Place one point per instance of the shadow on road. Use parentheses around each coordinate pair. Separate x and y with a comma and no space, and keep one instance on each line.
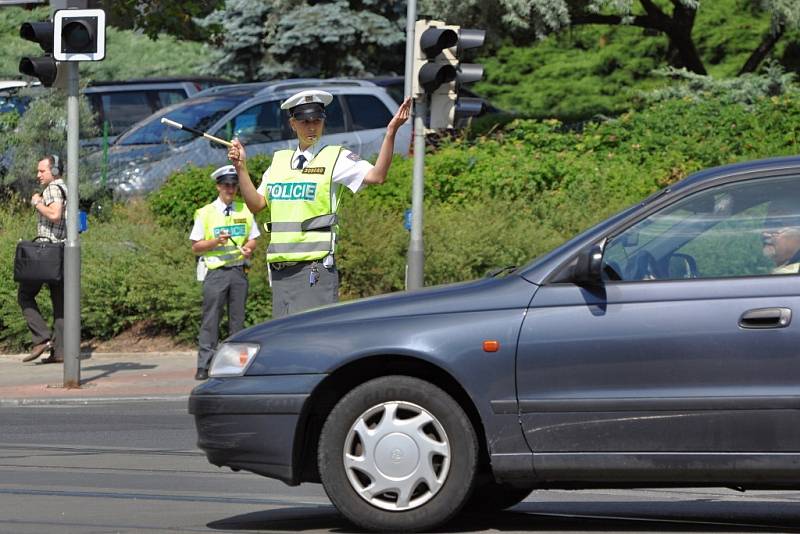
(321,518)
(702,515)
(111,368)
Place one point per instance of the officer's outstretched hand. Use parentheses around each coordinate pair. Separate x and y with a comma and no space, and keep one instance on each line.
(237,154)
(400,117)
(247,252)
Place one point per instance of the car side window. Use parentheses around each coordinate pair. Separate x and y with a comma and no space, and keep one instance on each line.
(167,97)
(261,123)
(367,112)
(334,117)
(749,228)
(122,109)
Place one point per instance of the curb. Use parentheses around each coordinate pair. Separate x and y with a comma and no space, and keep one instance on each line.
(90,355)
(6,403)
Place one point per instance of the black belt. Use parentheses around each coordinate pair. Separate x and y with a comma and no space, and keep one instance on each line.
(280,265)
(229,267)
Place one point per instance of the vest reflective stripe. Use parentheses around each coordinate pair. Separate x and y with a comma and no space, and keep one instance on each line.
(227,255)
(299,202)
(308,246)
(323,221)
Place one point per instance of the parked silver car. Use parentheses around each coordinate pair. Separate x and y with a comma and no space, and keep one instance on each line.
(143,157)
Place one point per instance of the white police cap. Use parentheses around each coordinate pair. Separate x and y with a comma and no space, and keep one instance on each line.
(309,96)
(226,175)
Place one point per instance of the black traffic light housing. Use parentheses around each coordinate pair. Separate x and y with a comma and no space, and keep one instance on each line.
(438,71)
(44,68)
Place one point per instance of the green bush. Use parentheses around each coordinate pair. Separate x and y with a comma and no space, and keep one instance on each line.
(186,191)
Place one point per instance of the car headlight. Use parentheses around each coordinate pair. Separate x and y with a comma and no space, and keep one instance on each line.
(232,359)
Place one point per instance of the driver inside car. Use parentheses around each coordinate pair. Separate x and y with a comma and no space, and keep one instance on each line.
(780,237)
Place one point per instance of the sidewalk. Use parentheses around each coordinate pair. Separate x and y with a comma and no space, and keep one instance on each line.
(105,377)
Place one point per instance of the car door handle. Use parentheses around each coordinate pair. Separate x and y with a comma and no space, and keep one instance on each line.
(766,318)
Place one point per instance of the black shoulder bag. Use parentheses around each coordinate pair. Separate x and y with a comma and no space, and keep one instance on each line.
(39,260)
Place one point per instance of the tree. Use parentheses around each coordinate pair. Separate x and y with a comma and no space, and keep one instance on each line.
(263,39)
(174,17)
(40,131)
(528,19)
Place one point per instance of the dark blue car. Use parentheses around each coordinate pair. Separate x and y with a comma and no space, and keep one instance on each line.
(654,349)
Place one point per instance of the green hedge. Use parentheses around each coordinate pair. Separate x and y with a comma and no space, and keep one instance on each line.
(490,202)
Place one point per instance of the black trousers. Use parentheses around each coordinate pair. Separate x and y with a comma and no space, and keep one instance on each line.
(221,287)
(40,331)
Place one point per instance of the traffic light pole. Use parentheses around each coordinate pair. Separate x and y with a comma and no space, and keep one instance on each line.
(416,250)
(72,248)
(415,260)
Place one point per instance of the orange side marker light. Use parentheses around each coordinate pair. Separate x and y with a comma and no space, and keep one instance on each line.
(491,345)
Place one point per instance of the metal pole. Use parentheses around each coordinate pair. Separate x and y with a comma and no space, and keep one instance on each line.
(411,19)
(72,248)
(416,252)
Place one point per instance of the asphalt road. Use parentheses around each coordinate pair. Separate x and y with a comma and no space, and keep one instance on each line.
(133,467)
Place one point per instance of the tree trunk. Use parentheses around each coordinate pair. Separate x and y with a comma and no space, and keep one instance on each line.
(680,34)
(763,50)
(678,29)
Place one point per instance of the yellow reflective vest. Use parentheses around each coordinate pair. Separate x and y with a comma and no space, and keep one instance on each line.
(238,225)
(303,218)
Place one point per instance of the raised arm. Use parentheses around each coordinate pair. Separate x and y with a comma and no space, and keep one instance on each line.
(377,175)
(238,157)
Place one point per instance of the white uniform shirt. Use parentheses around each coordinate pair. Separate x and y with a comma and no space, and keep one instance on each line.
(349,170)
(199,232)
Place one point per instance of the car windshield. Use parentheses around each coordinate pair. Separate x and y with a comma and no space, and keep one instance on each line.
(198,113)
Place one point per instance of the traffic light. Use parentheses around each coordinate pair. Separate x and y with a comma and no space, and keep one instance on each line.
(432,67)
(74,35)
(438,71)
(80,35)
(468,73)
(44,68)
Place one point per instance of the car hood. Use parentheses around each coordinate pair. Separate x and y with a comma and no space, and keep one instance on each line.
(120,155)
(139,168)
(511,292)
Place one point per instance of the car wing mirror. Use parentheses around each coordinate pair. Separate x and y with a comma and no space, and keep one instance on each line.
(589,267)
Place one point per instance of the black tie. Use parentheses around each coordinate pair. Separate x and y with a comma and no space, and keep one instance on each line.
(228,210)
(301,161)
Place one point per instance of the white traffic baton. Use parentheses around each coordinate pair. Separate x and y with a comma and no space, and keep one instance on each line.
(195,131)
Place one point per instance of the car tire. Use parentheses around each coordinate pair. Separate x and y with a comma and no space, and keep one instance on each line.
(398,454)
(493,497)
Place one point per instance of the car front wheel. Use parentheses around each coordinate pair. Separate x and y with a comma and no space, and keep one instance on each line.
(398,453)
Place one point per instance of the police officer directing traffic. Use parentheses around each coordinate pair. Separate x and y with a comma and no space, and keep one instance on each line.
(301,188)
(225,234)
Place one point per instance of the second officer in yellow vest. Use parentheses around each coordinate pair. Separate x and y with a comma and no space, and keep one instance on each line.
(301,189)
(224,233)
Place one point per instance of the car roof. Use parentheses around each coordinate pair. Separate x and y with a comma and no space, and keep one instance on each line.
(12,84)
(279,87)
(162,79)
